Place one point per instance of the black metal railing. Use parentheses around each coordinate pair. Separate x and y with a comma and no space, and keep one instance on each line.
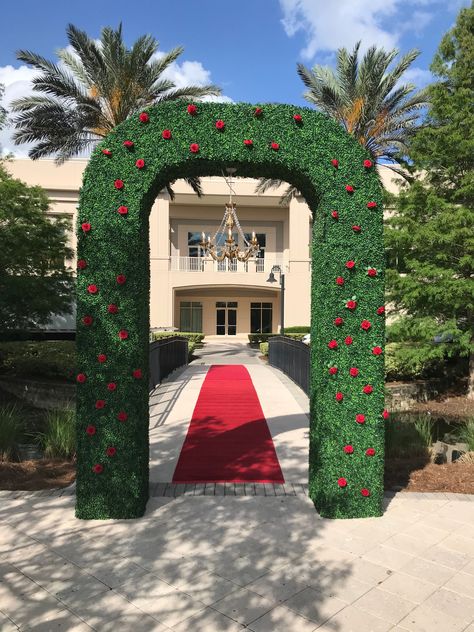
(292,357)
(166,355)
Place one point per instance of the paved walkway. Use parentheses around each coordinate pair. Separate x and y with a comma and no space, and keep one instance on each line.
(211,559)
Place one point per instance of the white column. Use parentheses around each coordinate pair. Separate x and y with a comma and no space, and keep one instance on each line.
(161,300)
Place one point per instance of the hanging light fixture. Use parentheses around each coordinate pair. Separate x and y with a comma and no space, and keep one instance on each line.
(223,245)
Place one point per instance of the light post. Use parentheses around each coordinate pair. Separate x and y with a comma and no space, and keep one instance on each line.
(271,279)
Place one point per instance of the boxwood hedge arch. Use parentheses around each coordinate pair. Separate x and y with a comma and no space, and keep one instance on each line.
(341,186)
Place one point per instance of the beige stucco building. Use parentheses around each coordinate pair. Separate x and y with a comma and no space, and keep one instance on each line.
(190,292)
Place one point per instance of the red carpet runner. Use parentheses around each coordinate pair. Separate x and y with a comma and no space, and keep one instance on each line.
(228,438)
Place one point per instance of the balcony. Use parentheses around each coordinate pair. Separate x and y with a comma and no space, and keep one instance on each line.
(202,264)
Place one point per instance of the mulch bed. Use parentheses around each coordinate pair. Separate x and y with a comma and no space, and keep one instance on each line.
(420,475)
(451,406)
(38,474)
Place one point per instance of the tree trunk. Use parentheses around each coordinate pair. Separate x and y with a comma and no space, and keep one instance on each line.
(470,384)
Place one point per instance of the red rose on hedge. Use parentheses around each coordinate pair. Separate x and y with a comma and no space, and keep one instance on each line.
(220,124)
(338,321)
(366,324)
(112,309)
(360,419)
(350,264)
(335,163)
(353,371)
(332,344)
(82,264)
(356,229)
(91,430)
(137,374)
(128,144)
(349,188)
(97,468)
(340,280)
(248,142)
(102,358)
(166,134)
(143,117)
(368,389)
(192,109)
(370,452)
(106,152)
(87,320)
(368,164)
(381,310)
(348,449)
(122,416)
(341,482)
(140,163)
(377,350)
(194,148)
(100,403)
(275,146)
(122,210)
(86,227)
(371,204)
(297,117)
(121,278)
(348,340)
(385,414)
(339,396)
(81,378)
(335,214)
(123,334)
(351,304)
(118,184)
(111,451)
(371,272)
(257,112)
(333,370)
(365,492)
(92,288)
(111,386)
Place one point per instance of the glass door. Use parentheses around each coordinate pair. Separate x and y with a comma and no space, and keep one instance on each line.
(226,318)
(220,321)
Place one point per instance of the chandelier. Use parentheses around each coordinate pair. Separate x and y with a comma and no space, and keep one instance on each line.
(223,245)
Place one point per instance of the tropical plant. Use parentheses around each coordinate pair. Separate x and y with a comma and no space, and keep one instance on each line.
(58,441)
(465,434)
(367,98)
(11,430)
(94,87)
(404,439)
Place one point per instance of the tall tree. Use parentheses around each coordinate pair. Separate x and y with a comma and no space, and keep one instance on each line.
(368,98)
(96,86)
(35,282)
(432,230)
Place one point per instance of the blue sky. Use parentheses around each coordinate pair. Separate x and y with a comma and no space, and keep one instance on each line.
(248,47)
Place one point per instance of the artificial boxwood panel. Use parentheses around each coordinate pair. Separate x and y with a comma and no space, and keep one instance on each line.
(113,253)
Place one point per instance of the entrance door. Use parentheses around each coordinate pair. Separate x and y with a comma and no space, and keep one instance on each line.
(226,318)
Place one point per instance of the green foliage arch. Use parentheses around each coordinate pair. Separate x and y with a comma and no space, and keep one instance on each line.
(346,431)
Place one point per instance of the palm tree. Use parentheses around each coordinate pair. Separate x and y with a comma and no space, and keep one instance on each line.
(368,100)
(96,86)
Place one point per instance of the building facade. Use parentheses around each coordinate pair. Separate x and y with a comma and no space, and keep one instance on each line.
(192,292)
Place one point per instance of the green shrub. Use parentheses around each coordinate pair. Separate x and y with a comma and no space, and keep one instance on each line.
(58,440)
(40,360)
(195,337)
(11,431)
(408,439)
(298,329)
(407,361)
(191,347)
(256,339)
(465,434)
(264,348)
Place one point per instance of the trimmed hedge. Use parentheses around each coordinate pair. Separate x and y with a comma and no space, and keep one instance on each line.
(39,360)
(327,166)
(298,329)
(256,339)
(264,348)
(197,338)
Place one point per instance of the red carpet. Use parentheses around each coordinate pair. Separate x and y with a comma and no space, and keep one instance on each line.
(228,438)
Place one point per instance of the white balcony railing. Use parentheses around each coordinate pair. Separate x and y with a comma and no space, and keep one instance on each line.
(202,264)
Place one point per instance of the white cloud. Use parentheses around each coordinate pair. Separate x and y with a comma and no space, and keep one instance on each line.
(327,26)
(419,76)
